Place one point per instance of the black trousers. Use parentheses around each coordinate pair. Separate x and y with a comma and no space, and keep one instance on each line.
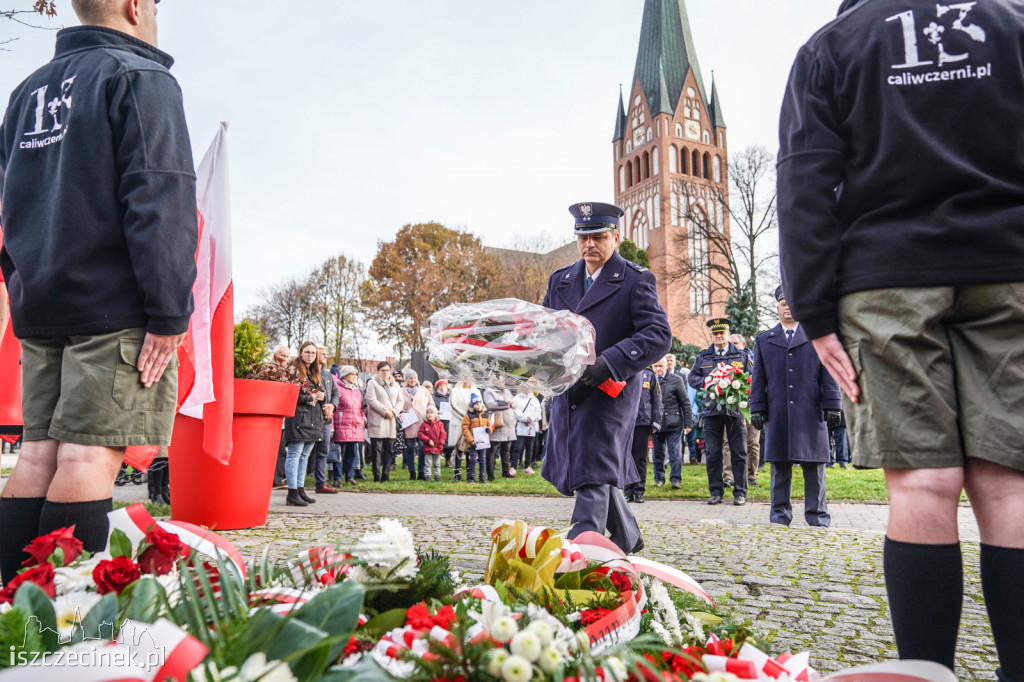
(522,451)
(382,454)
(716,430)
(279,469)
(319,459)
(641,435)
(499,451)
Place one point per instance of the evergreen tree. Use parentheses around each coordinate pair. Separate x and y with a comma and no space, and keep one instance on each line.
(629,251)
(742,311)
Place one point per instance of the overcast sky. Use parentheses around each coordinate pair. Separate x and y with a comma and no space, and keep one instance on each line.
(350,118)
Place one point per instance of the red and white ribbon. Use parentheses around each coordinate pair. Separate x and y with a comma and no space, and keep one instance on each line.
(134,521)
(895,671)
(321,563)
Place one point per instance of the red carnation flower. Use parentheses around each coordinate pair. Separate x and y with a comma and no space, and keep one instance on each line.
(620,580)
(42,547)
(113,575)
(41,575)
(163,551)
(591,616)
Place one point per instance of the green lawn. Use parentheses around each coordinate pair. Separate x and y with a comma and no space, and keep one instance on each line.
(842,484)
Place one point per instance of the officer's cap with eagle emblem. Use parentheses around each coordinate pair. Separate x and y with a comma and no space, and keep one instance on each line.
(593,217)
(779,294)
(719,324)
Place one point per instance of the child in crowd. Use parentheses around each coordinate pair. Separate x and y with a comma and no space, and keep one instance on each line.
(432,434)
(476,416)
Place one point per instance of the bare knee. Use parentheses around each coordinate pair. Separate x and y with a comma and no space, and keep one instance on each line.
(996,493)
(37,463)
(923,504)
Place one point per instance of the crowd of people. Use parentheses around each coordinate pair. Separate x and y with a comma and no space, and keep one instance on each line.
(349,427)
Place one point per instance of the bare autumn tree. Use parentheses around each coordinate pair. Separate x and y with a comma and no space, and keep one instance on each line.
(728,263)
(427,267)
(334,292)
(525,267)
(284,311)
(43,8)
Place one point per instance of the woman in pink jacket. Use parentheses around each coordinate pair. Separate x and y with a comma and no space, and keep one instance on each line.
(349,421)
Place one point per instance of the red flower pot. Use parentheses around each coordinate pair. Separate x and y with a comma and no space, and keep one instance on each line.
(234,495)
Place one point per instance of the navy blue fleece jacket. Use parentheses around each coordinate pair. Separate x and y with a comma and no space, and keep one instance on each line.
(98,189)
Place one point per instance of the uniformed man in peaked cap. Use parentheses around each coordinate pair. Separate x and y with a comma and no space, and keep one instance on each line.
(722,423)
(795,399)
(591,433)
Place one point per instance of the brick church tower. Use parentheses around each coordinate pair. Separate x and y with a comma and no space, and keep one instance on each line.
(671,177)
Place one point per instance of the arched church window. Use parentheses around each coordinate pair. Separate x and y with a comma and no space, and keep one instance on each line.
(679,130)
(717,166)
(707,137)
(673,164)
(629,174)
(647,166)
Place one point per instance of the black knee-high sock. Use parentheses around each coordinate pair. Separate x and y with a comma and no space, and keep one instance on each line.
(88,518)
(1002,569)
(925,584)
(19,521)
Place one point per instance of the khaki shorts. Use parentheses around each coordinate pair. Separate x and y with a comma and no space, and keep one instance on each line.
(941,374)
(86,390)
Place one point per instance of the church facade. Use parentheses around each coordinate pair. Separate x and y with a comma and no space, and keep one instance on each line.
(670,165)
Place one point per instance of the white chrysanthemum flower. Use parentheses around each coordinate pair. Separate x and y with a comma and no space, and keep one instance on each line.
(550,660)
(257,667)
(716,676)
(696,626)
(71,609)
(516,669)
(736,383)
(615,666)
(526,644)
(495,659)
(74,578)
(391,548)
(545,633)
(504,629)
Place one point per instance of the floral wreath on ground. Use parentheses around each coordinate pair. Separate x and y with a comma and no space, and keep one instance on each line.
(169,600)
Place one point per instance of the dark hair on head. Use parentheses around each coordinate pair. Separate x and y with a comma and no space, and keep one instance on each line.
(310,371)
(382,364)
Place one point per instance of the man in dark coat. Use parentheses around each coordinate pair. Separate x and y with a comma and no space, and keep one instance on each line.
(794,395)
(648,421)
(591,433)
(723,423)
(668,444)
(901,234)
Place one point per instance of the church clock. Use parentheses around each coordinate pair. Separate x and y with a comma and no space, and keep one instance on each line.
(693,130)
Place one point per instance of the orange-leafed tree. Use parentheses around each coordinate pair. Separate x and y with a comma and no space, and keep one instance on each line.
(425,268)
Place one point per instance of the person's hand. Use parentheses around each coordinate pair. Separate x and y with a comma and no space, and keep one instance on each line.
(757,420)
(596,374)
(833,418)
(689,429)
(157,351)
(328,410)
(529,420)
(389,415)
(837,362)
(431,443)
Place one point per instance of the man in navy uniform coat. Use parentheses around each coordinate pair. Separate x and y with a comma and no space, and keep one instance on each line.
(794,395)
(723,423)
(591,433)
(649,418)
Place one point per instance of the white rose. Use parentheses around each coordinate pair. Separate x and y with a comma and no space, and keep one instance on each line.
(736,383)
(516,669)
(743,404)
(731,399)
(723,383)
(527,645)
(616,667)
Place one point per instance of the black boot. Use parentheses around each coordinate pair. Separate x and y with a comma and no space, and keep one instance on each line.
(165,484)
(294,498)
(153,484)
(304,496)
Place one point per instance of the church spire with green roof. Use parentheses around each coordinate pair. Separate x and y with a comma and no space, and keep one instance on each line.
(666,54)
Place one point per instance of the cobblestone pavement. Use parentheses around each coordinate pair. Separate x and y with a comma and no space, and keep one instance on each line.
(814,589)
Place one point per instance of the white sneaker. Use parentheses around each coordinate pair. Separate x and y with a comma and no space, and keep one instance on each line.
(528,470)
